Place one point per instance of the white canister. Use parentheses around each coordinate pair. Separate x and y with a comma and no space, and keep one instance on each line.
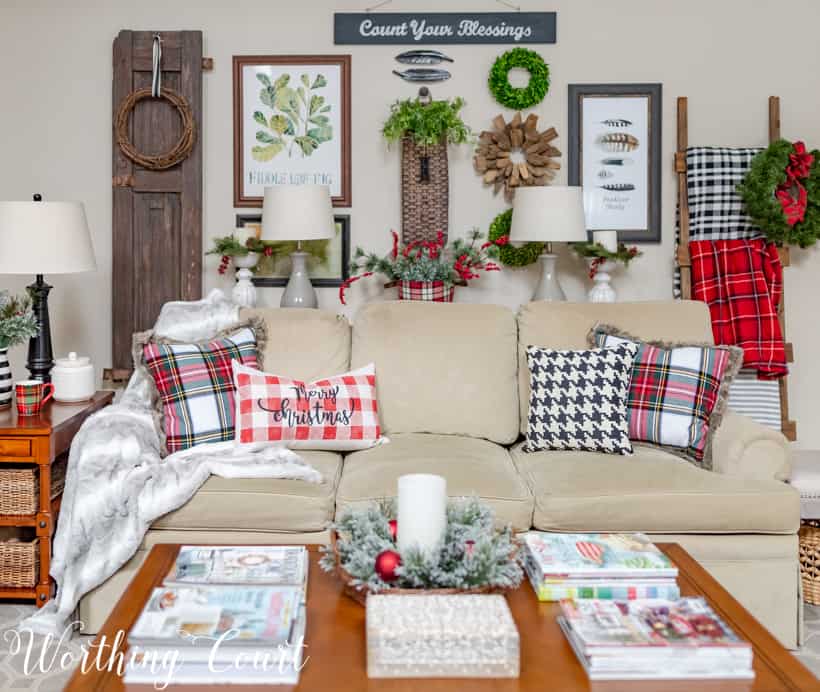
(73,378)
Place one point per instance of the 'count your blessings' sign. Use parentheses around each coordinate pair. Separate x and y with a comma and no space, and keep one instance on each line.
(443,27)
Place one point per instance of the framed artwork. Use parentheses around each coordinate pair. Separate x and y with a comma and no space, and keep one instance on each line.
(291,125)
(328,266)
(615,154)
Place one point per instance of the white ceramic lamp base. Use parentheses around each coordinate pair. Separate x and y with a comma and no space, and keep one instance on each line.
(602,291)
(299,292)
(548,287)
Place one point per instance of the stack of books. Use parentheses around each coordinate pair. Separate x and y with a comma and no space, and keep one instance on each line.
(654,640)
(617,566)
(224,615)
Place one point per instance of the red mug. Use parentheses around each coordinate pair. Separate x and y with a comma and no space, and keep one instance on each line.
(31,395)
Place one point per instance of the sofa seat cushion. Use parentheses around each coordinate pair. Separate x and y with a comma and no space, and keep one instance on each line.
(651,491)
(471,467)
(262,504)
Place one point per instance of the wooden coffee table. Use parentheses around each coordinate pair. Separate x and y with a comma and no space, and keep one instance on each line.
(336,642)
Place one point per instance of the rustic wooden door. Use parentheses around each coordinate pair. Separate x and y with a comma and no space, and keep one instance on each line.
(157,219)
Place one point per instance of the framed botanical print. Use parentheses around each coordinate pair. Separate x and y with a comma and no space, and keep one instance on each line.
(291,125)
(328,265)
(615,154)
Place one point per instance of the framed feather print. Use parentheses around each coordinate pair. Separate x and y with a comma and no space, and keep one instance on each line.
(291,125)
(615,154)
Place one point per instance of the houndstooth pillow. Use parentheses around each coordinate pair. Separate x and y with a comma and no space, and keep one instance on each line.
(578,399)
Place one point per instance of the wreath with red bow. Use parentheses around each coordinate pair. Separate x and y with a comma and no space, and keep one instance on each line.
(781,191)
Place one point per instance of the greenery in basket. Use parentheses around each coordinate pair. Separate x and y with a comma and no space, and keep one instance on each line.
(230,246)
(427,124)
(473,553)
(427,261)
(17,321)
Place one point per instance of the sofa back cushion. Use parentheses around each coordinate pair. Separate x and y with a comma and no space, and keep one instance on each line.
(566,326)
(303,344)
(443,368)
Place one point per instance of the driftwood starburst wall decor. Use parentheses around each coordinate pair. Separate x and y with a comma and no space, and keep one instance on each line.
(516,154)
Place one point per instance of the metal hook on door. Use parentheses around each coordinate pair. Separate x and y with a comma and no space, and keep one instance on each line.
(156,67)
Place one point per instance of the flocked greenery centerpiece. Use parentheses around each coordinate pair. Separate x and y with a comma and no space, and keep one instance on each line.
(427,123)
(473,556)
(17,320)
(427,261)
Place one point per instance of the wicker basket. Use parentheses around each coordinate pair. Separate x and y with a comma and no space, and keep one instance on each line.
(425,191)
(359,593)
(20,488)
(19,562)
(810,561)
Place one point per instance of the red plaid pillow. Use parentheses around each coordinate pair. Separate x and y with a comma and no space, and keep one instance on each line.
(336,413)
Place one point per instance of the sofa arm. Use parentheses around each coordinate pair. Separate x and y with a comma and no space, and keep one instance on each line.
(743,447)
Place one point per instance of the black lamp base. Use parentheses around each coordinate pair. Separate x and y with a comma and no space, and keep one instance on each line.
(40,356)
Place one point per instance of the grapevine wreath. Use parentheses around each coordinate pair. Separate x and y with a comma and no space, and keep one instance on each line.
(519,97)
(781,191)
(507,254)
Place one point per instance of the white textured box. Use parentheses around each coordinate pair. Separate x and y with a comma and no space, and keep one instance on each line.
(429,636)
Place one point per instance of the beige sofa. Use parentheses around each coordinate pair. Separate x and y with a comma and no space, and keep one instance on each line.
(453,393)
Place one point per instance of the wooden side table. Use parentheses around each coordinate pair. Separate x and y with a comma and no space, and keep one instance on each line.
(39,441)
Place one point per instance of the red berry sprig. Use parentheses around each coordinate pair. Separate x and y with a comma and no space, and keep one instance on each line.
(223,265)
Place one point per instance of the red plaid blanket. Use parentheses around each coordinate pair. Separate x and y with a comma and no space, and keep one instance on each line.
(742,283)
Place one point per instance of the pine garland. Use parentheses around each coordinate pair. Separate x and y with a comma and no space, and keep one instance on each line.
(473,552)
(767,173)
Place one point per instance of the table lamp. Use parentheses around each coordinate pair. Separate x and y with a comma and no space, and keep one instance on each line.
(550,214)
(298,212)
(43,238)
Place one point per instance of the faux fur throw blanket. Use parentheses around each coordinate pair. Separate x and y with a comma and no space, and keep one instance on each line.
(117,485)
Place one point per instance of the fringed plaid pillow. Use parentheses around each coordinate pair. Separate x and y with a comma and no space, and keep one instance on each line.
(678,392)
(195,386)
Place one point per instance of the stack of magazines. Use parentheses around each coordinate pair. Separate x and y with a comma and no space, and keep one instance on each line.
(224,615)
(654,640)
(622,566)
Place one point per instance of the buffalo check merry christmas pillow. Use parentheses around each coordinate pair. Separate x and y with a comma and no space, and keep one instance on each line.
(338,413)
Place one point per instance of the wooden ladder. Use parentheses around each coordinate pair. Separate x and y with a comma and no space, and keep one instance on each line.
(787,426)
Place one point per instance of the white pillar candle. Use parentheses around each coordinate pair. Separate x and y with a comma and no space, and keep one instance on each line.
(609,239)
(422,511)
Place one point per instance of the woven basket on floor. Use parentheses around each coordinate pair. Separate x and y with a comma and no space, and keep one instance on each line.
(425,191)
(810,561)
(20,488)
(19,561)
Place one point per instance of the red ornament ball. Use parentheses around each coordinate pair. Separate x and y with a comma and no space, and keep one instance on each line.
(394,529)
(386,563)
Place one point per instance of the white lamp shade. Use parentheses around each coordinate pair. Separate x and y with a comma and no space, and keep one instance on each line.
(297,212)
(44,238)
(548,214)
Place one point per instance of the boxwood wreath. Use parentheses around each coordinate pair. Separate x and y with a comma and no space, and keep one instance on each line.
(781,191)
(519,97)
(507,254)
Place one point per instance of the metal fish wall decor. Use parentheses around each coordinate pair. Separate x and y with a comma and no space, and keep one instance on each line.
(423,74)
(422,57)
